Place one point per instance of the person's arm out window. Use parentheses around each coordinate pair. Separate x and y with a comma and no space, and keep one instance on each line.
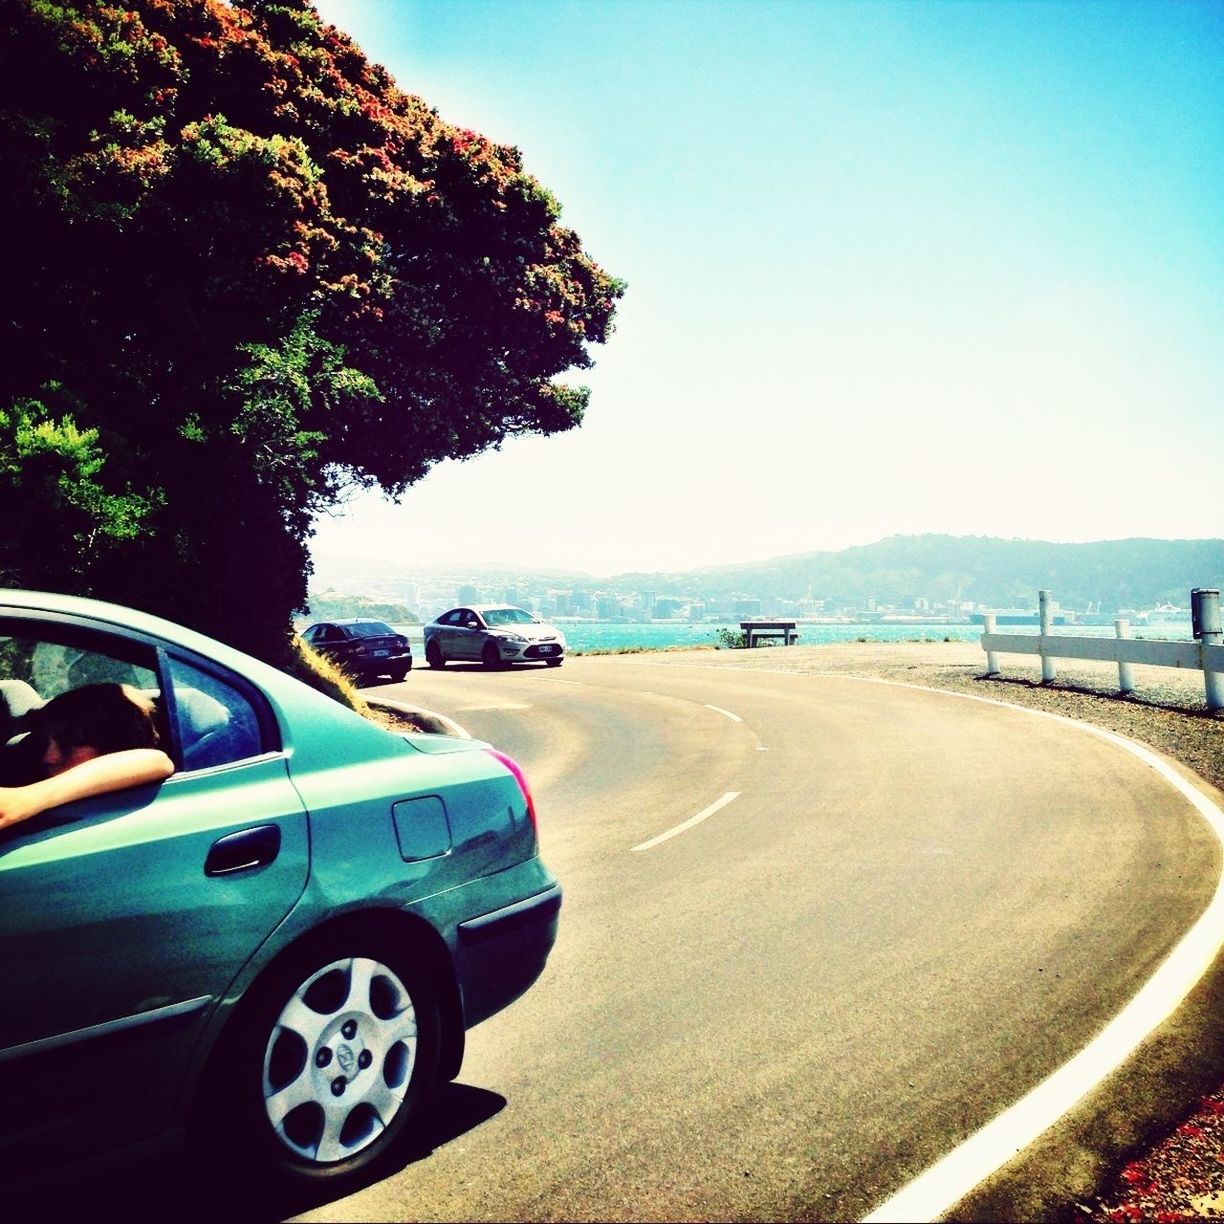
(99,776)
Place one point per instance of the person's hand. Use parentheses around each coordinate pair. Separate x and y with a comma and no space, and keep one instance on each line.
(14,806)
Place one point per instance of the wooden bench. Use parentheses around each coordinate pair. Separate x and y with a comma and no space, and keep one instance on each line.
(755,631)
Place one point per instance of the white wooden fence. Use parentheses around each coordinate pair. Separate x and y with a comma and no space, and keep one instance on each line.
(1205,654)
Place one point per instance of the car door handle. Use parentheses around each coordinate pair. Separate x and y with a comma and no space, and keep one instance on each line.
(243,851)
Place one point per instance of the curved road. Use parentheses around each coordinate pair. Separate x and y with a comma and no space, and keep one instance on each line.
(898,912)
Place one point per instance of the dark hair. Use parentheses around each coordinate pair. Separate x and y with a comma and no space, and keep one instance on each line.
(108,717)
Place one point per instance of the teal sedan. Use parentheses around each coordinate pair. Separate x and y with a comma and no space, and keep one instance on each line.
(283,943)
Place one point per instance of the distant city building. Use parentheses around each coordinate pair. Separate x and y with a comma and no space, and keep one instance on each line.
(467,594)
(697,610)
(665,608)
(581,601)
(776,606)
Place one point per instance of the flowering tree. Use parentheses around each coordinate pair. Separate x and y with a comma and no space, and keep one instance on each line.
(246,272)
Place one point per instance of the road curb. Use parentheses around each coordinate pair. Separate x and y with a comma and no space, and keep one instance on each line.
(427,720)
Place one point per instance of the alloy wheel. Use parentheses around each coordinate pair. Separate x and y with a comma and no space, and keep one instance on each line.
(339,1060)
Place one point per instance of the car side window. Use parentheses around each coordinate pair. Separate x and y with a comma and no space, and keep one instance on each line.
(40,662)
(215,723)
(453,618)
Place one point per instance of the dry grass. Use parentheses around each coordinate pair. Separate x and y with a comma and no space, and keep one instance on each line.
(320,673)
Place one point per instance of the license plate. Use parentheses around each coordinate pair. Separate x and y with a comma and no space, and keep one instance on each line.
(381,654)
(547,649)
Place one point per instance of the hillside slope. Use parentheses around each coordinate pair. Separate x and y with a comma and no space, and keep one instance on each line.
(1137,573)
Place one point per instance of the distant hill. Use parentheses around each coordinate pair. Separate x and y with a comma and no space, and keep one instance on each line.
(1137,573)
(328,605)
(1117,574)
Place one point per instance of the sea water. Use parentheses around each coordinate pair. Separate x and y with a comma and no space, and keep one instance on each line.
(587,636)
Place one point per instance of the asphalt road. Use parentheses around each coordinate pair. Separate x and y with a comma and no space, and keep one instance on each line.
(899,912)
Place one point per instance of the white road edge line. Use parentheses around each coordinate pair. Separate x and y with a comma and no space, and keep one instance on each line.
(724,713)
(946,1182)
(688,824)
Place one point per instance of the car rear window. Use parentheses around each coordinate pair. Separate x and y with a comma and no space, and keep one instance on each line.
(371,629)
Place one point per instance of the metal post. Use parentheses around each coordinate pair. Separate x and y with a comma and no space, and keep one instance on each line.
(1048,670)
(1208,631)
(1126,681)
(992,659)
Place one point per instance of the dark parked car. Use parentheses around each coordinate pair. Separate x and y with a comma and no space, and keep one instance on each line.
(365,649)
(275,952)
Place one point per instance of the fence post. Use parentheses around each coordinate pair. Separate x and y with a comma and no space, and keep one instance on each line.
(1126,682)
(1048,670)
(1206,603)
(992,659)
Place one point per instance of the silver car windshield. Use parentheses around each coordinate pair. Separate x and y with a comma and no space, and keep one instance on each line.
(508,616)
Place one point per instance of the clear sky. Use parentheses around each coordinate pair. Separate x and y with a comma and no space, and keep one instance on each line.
(893,268)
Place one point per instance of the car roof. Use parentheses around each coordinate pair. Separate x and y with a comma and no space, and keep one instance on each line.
(307,717)
(494,607)
(350,620)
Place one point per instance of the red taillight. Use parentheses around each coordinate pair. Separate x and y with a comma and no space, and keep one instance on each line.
(521,778)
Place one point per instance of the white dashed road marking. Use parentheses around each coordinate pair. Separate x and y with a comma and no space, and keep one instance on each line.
(688,824)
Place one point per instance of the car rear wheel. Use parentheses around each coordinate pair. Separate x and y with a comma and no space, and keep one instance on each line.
(491,656)
(398,674)
(333,1057)
(433,655)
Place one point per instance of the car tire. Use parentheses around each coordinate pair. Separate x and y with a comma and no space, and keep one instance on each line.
(398,674)
(491,656)
(555,662)
(331,1059)
(433,655)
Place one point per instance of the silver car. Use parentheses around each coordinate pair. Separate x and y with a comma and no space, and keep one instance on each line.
(493,634)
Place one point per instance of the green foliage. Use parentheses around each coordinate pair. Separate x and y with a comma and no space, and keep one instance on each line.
(731,639)
(59,520)
(260,273)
